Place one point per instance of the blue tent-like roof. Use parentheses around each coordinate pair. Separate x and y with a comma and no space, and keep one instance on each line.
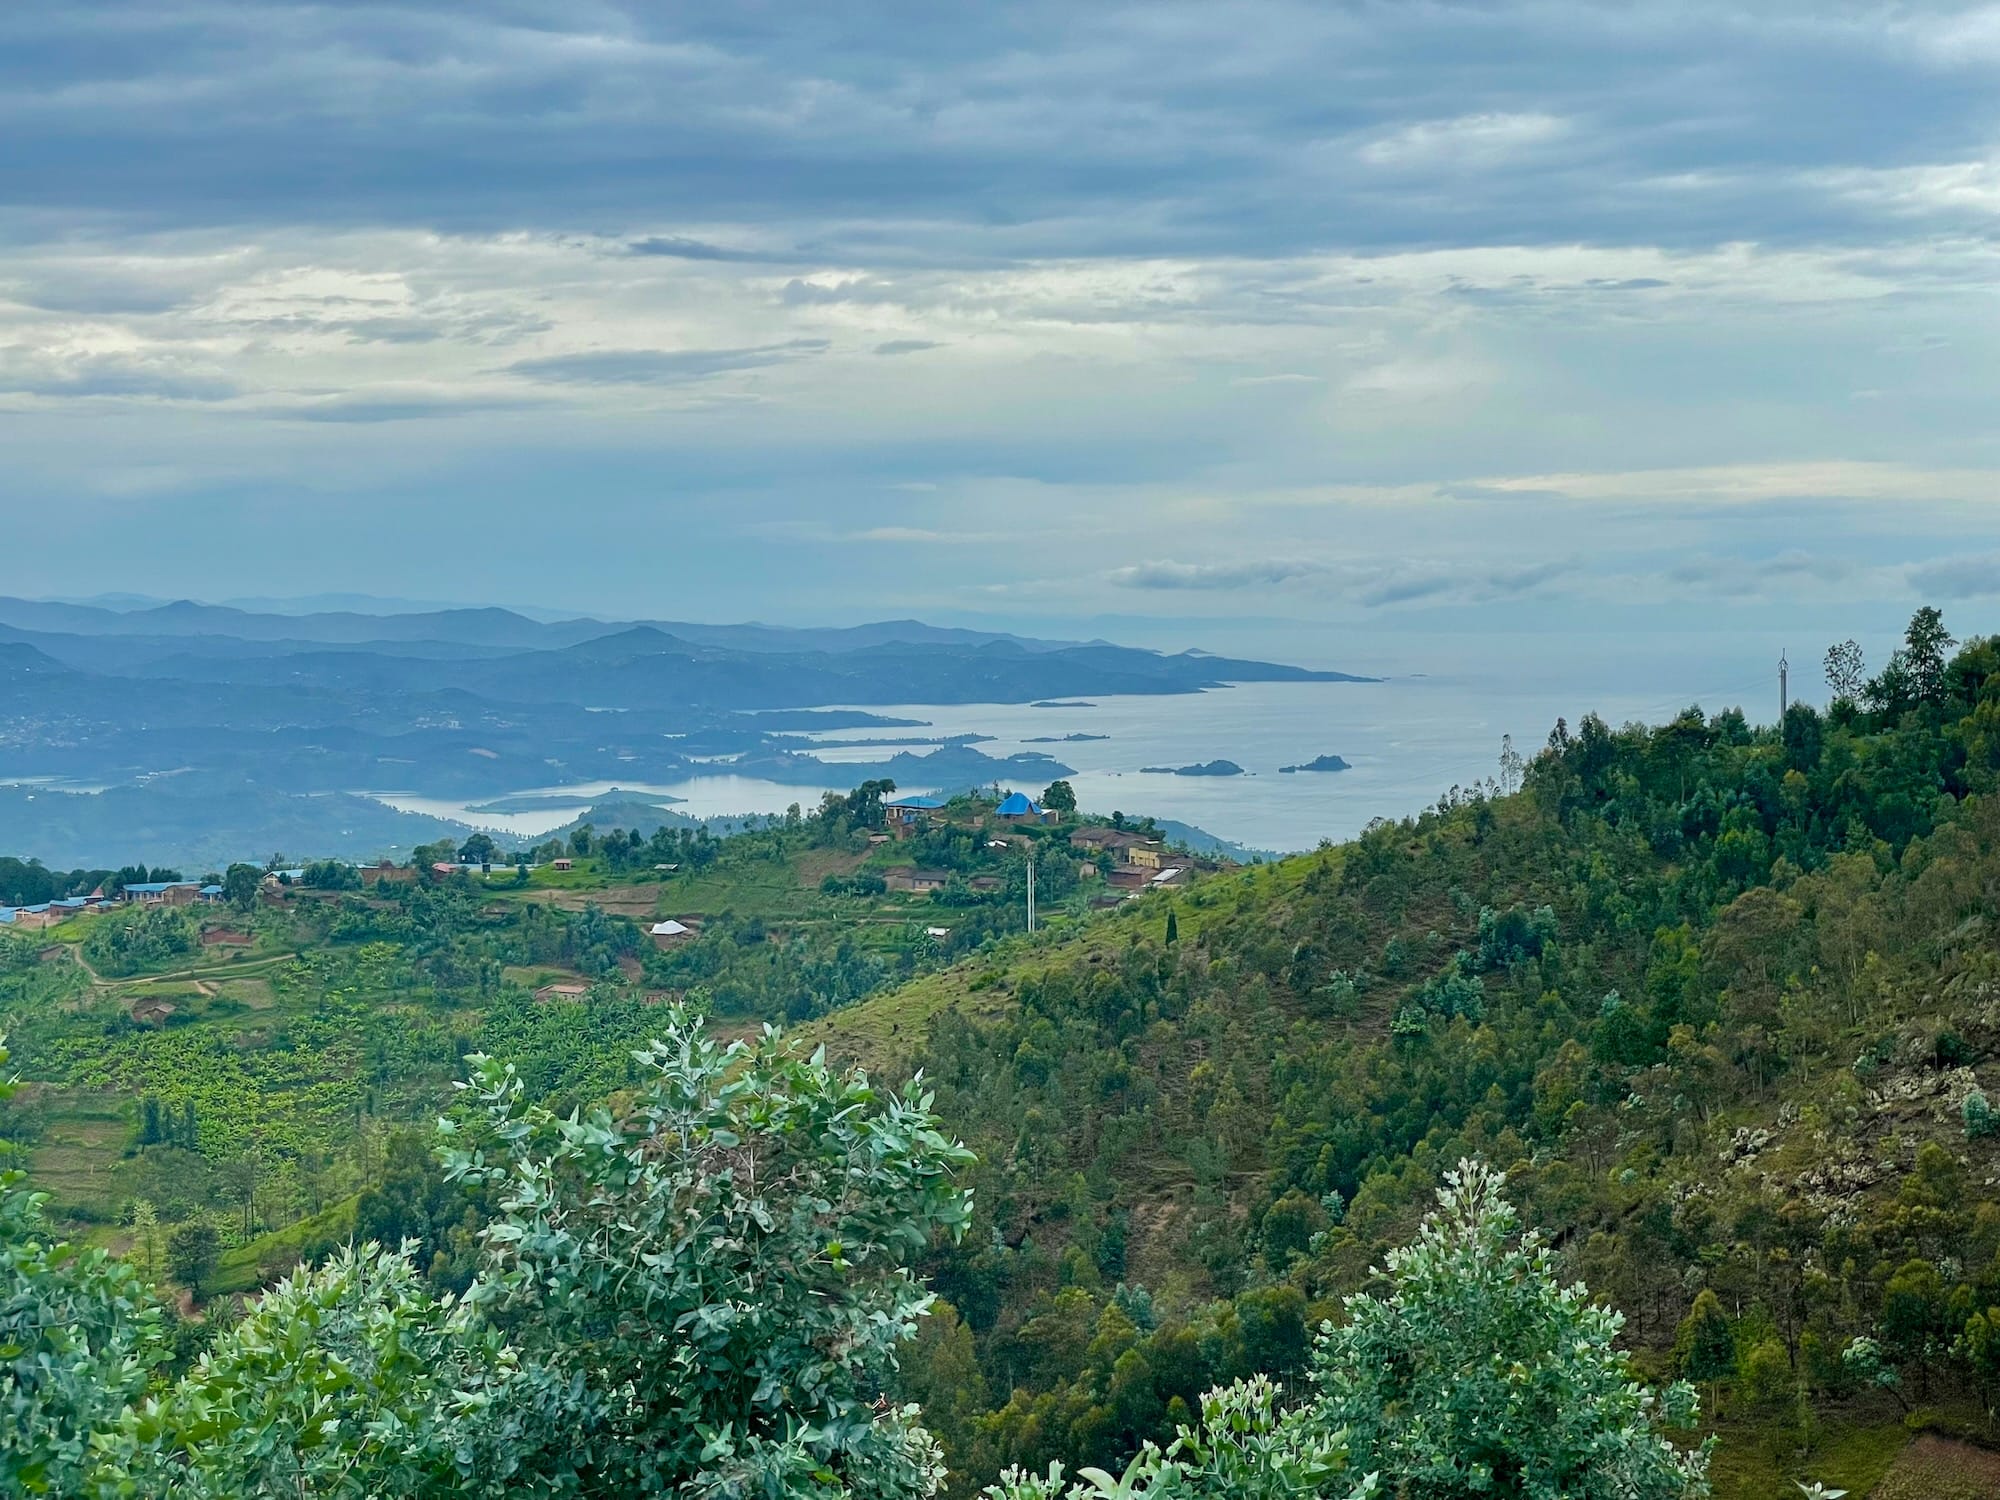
(927,803)
(1017,805)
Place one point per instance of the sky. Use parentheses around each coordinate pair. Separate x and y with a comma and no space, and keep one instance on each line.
(1358,324)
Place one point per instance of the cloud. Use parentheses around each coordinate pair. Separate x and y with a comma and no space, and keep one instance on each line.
(1976,576)
(57,374)
(1760,483)
(1179,575)
(1467,141)
(907,346)
(682,248)
(661,366)
(391,409)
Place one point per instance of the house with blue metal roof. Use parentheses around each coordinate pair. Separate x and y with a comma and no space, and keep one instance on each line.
(1018,807)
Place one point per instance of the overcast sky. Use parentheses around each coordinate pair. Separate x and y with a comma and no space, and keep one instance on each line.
(1366,315)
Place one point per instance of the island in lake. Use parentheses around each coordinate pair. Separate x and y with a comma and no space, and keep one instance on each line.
(1320,763)
(1064,739)
(1062,703)
(1206,768)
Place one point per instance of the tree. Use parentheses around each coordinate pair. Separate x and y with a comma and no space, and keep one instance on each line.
(239,885)
(1059,797)
(1479,1374)
(78,1335)
(1705,1343)
(1173,928)
(1926,647)
(192,1251)
(350,1380)
(1510,766)
(1845,671)
(479,850)
(719,1273)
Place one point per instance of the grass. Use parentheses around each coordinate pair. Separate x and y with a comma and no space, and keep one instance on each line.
(880,1031)
(1759,1460)
(80,1149)
(242,1268)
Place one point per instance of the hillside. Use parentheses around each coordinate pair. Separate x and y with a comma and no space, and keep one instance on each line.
(1720,999)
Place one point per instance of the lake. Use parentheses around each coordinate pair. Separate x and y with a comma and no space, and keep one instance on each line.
(1407,738)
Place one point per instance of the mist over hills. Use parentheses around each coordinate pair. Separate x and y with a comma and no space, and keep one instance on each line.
(217,723)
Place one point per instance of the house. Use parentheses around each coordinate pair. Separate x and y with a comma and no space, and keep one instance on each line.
(940,933)
(386,872)
(562,990)
(1114,839)
(1129,877)
(226,937)
(211,893)
(906,813)
(986,882)
(562,864)
(918,880)
(6,916)
(1146,856)
(666,934)
(153,1012)
(1169,875)
(1017,807)
(159,893)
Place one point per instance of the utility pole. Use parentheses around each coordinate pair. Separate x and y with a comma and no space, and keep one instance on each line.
(1031,890)
(1784,701)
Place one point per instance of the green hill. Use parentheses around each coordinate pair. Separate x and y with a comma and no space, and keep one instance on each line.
(1720,999)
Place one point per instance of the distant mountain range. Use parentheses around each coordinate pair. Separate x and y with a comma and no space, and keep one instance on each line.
(241,706)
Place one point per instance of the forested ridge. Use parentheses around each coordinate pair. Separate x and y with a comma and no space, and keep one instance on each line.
(1716,999)
(1720,999)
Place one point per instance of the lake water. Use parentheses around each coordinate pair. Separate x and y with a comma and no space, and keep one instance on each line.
(1408,738)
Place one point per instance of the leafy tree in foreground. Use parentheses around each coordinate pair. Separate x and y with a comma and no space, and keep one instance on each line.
(352,1380)
(1478,1376)
(719,1276)
(1481,1375)
(702,1296)
(1060,797)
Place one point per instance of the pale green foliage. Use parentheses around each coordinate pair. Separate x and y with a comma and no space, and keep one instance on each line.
(1978,1116)
(1243,1448)
(1863,1361)
(700,1296)
(718,1275)
(1480,1374)
(351,1381)
(78,1334)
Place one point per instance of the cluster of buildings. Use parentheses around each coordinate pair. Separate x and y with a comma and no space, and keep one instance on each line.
(906,815)
(150,893)
(1142,862)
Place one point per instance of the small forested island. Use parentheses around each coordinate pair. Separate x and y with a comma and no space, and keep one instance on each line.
(1064,739)
(1205,768)
(1061,703)
(1318,763)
